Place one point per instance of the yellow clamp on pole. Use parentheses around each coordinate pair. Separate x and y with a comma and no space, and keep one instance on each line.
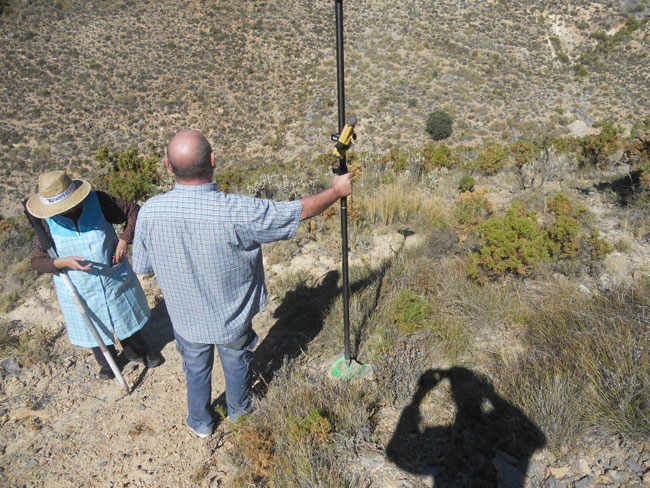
(344,139)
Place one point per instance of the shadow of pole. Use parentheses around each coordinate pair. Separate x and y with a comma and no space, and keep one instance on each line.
(489,444)
(301,318)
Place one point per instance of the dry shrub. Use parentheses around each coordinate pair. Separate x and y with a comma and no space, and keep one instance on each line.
(29,347)
(300,433)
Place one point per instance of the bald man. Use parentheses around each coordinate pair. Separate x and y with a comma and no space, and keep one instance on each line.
(205,248)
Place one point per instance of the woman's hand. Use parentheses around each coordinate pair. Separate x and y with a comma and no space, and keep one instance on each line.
(120,251)
(73,262)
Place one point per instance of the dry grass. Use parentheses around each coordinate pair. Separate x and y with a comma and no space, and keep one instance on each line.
(301,431)
(587,366)
(401,202)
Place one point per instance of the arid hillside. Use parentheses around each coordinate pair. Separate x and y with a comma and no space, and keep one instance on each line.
(258,77)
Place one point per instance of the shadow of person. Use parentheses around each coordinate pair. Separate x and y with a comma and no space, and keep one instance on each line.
(489,444)
(158,332)
(300,319)
(301,315)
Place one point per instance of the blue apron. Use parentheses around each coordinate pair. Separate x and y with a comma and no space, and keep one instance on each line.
(113,296)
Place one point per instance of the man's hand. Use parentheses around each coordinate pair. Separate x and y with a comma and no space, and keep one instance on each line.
(72,262)
(315,204)
(120,250)
(342,184)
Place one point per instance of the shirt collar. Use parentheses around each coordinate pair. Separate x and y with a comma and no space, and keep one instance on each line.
(196,188)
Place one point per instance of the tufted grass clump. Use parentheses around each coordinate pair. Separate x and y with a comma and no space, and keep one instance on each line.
(586,368)
(398,203)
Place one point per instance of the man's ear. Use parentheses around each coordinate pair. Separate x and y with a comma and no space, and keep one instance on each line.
(212,160)
(169,165)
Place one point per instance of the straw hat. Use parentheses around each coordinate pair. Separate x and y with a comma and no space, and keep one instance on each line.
(57,193)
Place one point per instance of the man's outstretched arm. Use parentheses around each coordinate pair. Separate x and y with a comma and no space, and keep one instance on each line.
(316,204)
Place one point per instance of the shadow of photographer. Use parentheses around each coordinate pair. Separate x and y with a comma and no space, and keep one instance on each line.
(489,444)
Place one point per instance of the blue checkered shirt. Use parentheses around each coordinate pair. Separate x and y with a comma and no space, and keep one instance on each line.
(204,247)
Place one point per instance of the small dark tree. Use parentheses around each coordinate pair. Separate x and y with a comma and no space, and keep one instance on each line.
(439,125)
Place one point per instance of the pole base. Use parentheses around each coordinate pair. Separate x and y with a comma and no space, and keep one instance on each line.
(338,368)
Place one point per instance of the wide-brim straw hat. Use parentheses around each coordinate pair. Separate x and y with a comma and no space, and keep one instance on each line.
(57,193)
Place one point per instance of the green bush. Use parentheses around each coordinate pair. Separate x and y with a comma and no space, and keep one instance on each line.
(466,183)
(438,156)
(396,159)
(472,209)
(564,233)
(515,243)
(524,152)
(410,312)
(597,148)
(439,125)
(491,159)
(230,181)
(130,175)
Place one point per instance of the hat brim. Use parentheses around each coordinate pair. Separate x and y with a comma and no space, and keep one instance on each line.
(42,210)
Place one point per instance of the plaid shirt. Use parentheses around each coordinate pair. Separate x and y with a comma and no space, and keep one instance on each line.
(204,247)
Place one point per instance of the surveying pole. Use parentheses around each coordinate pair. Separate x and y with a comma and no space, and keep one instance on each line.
(343,142)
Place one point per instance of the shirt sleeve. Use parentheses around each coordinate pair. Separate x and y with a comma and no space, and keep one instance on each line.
(41,261)
(141,259)
(118,211)
(273,221)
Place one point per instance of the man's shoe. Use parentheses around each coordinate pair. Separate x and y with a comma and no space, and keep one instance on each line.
(106,373)
(202,435)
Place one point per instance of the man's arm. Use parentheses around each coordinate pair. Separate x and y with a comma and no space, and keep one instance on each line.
(316,204)
(141,260)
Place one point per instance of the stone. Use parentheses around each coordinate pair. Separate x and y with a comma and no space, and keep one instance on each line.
(646,479)
(615,475)
(583,466)
(633,465)
(508,476)
(583,289)
(11,365)
(551,482)
(616,462)
(584,482)
(559,473)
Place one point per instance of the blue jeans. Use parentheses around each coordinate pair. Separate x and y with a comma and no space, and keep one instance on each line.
(236,359)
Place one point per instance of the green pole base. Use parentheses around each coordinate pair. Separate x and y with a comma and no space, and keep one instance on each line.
(338,368)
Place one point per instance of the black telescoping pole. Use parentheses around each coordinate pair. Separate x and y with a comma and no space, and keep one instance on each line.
(343,169)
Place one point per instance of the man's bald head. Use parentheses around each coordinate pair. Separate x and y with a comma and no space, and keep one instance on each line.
(190,156)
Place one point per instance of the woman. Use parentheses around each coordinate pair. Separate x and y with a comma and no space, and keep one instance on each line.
(80,222)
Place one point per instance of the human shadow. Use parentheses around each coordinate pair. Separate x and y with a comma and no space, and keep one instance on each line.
(489,444)
(300,319)
(158,332)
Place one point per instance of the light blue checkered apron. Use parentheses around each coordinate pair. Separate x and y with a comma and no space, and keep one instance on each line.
(114,298)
